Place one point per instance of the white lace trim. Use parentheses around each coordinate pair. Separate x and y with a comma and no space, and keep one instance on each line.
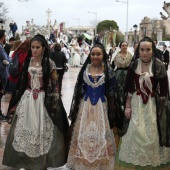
(92,145)
(33,133)
(87,80)
(140,145)
(36,74)
(122,62)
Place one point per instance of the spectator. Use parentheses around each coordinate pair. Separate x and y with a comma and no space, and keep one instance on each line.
(159,56)
(60,60)
(165,56)
(4,62)
(7,46)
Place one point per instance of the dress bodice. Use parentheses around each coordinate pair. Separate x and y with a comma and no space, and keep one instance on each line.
(122,62)
(35,77)
(92,90)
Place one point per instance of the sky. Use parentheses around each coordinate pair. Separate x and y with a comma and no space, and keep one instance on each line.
(66,10)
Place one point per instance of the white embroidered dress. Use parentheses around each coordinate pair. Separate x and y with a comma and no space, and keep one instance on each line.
(140,145)
(33,133)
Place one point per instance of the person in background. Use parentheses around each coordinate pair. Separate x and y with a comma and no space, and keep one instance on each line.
(37,136)
(4,63)
(22,51)
(9,46)
(165,56)
(14,47)
(60,61)
(159,55)
(120,64)
(14,28)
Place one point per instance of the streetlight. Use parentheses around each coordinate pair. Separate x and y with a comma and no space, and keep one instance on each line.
(135,30)
(78,23)
(127,2)
(95,21)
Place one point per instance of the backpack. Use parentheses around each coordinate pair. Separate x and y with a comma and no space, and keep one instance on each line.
(14,66)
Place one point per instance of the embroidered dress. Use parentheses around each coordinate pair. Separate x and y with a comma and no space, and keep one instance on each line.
(92,145)
(121,64)
(34,142)
(140,148)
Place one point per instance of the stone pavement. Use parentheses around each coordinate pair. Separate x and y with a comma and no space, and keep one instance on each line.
(67,92)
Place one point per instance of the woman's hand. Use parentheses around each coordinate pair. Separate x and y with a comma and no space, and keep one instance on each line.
(128,112)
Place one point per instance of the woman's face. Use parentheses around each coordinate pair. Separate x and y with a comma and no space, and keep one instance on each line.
(37,49)
(145,51)
(124,46)
(96,56)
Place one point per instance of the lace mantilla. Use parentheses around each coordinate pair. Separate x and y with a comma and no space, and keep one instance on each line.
(87,80)
(122,62)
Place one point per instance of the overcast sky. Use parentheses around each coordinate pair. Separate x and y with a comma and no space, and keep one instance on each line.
(65,10)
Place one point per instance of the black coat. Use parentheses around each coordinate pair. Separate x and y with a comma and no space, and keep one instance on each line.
(59,58)
(166,56)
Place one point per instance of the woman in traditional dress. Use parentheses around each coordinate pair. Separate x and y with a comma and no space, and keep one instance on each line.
(36,139)
(146,141)
(121,63)
(93,111)
(84,53)
(76,55)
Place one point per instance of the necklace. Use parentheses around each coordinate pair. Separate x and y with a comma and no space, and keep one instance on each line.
(95,75)
(146,62)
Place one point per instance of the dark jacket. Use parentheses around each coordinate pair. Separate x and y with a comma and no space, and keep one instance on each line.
(59,59)
(166,56)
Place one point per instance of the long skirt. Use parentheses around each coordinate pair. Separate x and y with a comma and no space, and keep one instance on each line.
(139,148)
(92,144)
(33,142)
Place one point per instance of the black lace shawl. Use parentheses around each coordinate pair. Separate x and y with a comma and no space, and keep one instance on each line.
(52,102)
(113,111)
(163,124)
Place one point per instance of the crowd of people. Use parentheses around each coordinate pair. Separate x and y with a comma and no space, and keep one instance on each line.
(120,90)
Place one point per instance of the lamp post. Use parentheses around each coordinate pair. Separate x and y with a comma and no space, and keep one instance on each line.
(95,21)
(127,2)
(135,31)
(78,23)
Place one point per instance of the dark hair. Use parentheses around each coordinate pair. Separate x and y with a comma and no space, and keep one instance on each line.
(121,43)
(57,47)
(12,39)
(78,87)
(45,68)
(2,33)
(165,45)
(154,50)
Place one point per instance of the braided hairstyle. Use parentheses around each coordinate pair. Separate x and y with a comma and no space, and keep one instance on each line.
(78,87)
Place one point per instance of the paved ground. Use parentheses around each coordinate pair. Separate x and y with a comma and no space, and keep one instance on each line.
(68,86)
(67,92)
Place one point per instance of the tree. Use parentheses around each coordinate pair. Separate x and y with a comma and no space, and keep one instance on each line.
(107,25)
(3,12)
